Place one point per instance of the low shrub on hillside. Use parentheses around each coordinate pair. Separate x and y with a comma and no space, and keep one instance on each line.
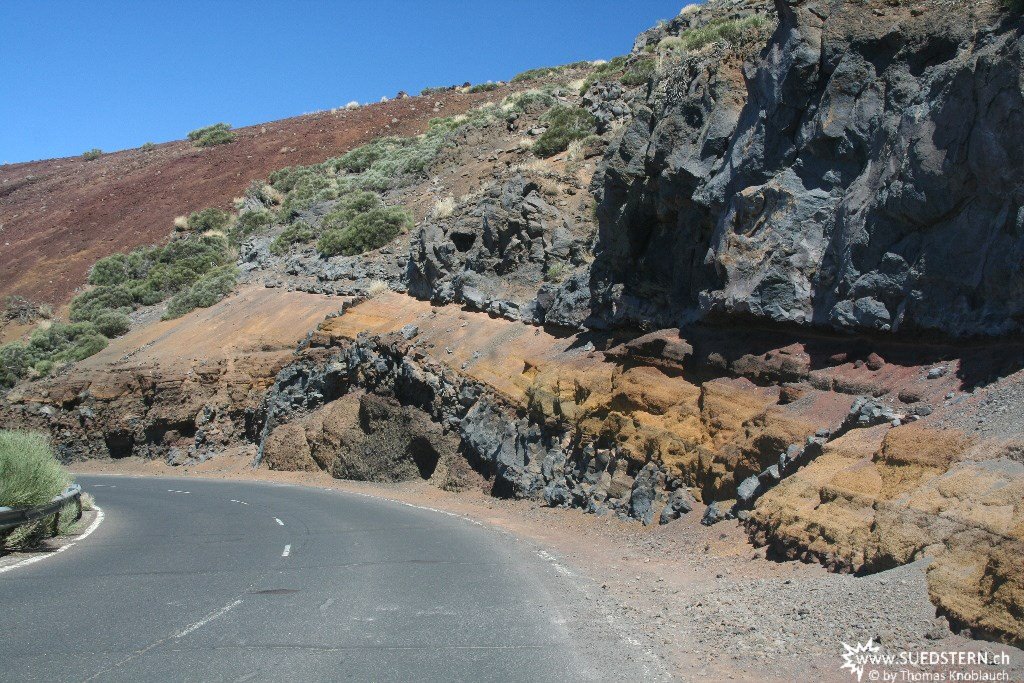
(47,347)
(638,73)
(532,101)
(203,293)
(564,124)
(365,232)
(208,219)
(92,154)
(298,232)
(217,134)
(249,223)
(729,30)
(112,324)
(545,72)
(1016,6)
(484,87)
(146,277)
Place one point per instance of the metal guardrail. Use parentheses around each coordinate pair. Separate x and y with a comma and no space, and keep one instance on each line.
(12,517)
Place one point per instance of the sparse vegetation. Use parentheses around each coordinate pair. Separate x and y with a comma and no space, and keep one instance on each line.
(217,134)
(729,30)
(443,208)
(564,124)
(484,87)
(545,72)
(555,272)
(92,154)
(147,146)
(1015,6)
(208,219)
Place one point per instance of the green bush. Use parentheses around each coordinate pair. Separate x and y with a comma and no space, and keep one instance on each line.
(112,324)
(484,87)
(205,292)
(146,277)
(92,154)
(638,73)
(1016,6)
(249,223)
(533,101)
(350,206)
(217,134)
(14,363)
(208,219)
(89,305)
(29,473)
(59,343)
(147,146)
(366,231)
(564,124)
(298,232)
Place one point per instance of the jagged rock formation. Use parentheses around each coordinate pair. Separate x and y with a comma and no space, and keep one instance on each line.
(856,174)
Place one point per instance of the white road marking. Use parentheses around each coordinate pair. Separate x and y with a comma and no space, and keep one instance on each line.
(287,551)
(177,491)
(240,502)
(278,521)
(39,558)
(208,618)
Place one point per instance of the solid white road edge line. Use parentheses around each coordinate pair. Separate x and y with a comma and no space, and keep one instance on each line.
(207,619)
(287,551)
(39,558)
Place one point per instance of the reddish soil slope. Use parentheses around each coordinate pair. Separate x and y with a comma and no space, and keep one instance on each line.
(57,217)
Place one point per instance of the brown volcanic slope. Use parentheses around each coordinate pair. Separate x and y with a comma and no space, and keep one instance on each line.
(58,216)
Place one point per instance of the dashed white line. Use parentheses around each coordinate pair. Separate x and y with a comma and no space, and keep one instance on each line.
(177,491)
(287,551)
(240,502)
(207,619)
(38,558)
(279,522)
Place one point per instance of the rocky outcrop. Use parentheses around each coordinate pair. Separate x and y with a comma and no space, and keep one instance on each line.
(855,174)
(492,253)
(363,437)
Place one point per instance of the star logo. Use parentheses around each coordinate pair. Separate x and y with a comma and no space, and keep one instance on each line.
(855,657)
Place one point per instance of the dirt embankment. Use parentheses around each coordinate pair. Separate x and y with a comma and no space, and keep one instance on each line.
(58,216)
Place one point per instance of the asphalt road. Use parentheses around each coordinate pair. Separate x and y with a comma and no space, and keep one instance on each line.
(219,580)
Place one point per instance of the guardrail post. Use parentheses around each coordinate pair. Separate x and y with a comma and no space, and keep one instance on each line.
(56,522)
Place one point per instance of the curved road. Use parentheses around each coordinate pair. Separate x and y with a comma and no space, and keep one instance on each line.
(220,580)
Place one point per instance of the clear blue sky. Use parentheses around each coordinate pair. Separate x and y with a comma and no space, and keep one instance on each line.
(113,75)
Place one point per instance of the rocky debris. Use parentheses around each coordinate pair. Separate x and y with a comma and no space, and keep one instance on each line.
(868,412)
(680,502)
